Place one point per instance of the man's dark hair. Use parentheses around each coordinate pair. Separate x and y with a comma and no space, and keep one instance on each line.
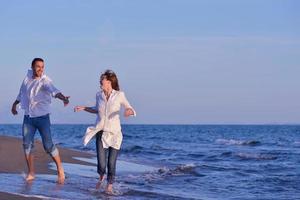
(36,60)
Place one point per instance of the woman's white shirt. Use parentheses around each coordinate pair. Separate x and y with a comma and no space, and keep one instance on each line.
(108,119)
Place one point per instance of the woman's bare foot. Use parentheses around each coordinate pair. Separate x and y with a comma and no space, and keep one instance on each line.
(109,188)
(99,183)
(30,177)
(61,177)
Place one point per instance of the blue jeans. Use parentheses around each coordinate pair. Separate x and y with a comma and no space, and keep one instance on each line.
(42,124)
(101,159)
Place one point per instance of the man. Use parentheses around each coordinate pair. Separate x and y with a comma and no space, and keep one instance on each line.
(35,98)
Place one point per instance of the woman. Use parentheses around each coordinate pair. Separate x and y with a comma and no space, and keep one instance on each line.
(108,127)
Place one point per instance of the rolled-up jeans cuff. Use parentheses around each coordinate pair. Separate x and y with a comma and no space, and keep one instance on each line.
(54,152)
(110,179)
(28,151)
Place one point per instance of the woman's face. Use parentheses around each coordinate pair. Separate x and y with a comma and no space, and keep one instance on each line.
(105,84)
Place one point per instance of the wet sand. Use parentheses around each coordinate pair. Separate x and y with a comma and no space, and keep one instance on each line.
(4,195)
(12,160)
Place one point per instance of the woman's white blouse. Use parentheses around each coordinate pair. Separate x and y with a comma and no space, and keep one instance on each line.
(108,119)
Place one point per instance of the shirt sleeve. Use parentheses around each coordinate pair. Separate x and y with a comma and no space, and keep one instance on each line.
(20,92)
(97,102)
(48,85)
(125,103)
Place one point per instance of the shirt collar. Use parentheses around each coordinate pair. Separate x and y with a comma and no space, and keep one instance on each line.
(112,93)
(30,74)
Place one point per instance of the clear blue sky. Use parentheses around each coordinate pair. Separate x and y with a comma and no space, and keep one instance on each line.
(179,61)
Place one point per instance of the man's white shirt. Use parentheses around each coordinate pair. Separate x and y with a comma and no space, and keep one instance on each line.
(35,95)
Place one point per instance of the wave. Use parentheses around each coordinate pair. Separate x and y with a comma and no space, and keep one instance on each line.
(249,156)
(179,170)
(153,150)
(157,194)
(195,155)
(297,143)
(227,153)
(256,156)
(158,147)
(133,149)
(238,142)
(164,172)
(220,168)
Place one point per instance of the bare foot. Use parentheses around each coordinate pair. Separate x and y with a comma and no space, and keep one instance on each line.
(99,183)
(30,177)
(109,189)
(61,177)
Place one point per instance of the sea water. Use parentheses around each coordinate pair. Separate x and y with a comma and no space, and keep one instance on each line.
(179,162)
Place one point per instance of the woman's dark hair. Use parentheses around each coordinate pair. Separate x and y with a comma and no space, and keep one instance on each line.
(112,77)
(36,60)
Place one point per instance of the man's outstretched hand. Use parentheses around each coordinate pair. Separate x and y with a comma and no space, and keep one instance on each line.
(66,100)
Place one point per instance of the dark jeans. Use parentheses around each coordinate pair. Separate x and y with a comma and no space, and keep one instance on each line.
(101,158)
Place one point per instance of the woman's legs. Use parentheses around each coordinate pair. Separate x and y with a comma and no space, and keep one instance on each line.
(112,160)
(101,160)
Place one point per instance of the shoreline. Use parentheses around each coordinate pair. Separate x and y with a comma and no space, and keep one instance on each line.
(12,161)
(11,196)
(80,168)
(12,157)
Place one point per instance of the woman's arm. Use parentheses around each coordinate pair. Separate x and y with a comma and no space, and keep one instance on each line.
(93,109)
(87,109)
(129,111)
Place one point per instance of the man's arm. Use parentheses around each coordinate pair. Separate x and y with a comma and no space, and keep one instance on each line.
(65,99)
(18,100)
(14,107)
(48,85)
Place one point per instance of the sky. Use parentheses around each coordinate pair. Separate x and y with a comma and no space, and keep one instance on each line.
(178,61)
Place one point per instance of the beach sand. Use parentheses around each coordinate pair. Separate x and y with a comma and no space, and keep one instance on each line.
(12,160)
(4,195)
(80,168)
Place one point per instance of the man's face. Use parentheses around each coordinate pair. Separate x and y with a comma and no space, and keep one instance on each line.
(38,68)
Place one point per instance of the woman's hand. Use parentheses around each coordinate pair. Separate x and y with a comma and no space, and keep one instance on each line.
(79,108)
(128,112)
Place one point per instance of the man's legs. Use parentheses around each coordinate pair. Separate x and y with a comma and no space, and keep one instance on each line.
(60,169)
(43,125)
(28,131)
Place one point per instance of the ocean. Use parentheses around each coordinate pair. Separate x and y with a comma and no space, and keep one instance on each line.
(182,162)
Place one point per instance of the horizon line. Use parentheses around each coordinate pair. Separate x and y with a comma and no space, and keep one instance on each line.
(172,124)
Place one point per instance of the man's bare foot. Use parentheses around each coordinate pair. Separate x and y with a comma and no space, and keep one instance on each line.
(61,177)
(99,183)
(30,177)
(109,189)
